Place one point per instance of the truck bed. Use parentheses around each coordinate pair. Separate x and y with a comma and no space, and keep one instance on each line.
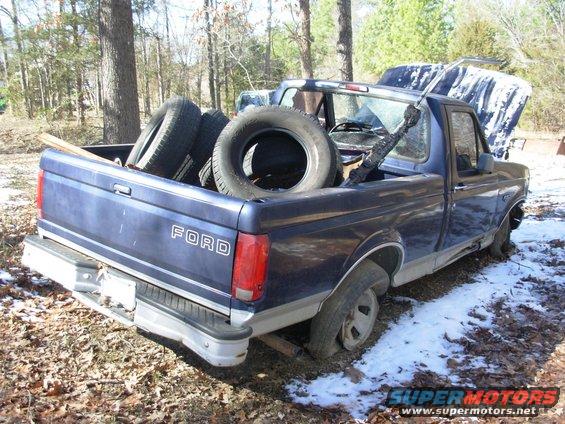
(178,236)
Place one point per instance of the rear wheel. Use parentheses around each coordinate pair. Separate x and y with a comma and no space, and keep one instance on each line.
(347,317)
(359,321)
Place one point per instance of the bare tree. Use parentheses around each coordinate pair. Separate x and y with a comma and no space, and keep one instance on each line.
(210,49)
(217,82)
(140,10)
(269,43)
(160,76)
(21,62)
(305,40)
(120,104)
(79,97)
(4,54)
(345,40)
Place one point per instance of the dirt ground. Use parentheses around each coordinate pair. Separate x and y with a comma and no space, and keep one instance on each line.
(61,361)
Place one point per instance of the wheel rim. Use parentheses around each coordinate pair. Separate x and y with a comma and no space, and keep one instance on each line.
(359,321)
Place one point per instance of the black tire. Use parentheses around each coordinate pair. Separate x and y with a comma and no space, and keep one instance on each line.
(501,243)
(280,156)
(277,155)
(326,325)
(212,123)
(206,176)
(167,138)
(260,125)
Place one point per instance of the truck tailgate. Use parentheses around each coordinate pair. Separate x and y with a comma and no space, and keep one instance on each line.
(173,235)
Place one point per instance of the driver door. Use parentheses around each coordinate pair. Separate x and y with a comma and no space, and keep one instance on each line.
(473,195)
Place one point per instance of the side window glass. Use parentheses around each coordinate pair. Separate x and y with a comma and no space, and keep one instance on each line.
(307,101)
(465,141)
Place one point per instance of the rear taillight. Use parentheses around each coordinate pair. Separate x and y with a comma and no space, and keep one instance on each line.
(250,266)
(39,198)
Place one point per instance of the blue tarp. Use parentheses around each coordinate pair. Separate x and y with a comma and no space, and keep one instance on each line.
(498,99)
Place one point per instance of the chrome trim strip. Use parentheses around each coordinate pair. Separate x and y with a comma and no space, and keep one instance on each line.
(520,200)
(370,252)
(187,295)
(280,316)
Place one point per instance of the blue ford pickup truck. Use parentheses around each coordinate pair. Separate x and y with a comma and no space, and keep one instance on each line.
(212,271)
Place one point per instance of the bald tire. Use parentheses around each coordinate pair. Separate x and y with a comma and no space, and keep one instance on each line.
(212,124)
(300,127)
(167,138)
(326,325)
(501,243)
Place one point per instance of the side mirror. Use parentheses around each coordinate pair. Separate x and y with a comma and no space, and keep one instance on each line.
(486,163)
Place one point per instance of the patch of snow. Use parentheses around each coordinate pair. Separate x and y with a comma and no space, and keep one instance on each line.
(419,336)
(404,299)
(39,281)
(10,196)
(5,276)
(426,334)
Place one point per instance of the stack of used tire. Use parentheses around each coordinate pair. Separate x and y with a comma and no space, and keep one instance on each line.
(263,152)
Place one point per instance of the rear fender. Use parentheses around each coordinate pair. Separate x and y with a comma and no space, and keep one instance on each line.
(386,250)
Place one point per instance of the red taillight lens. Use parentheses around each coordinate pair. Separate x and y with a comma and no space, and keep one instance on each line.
(39,197)
(250,266)
(354,87)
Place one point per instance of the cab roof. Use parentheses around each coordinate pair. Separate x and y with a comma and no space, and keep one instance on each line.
(372,90)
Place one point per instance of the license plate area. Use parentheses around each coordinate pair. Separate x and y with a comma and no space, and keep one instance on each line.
(118,288)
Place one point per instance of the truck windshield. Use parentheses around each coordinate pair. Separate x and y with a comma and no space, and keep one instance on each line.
(379,114)
(374,114)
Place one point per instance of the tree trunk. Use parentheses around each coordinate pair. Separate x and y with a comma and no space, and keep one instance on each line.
(41,88)
(23,75)
(98,91)
(160,76)
(305,40)
(79,96)
(145,59)
(168,45)
(210,49)
(217,82)
(199,86)
(345,40)
(4,55)
(120,104)
(146,90)
(225,66)
(269,43)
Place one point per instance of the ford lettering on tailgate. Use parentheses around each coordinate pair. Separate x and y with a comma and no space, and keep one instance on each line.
(204,241)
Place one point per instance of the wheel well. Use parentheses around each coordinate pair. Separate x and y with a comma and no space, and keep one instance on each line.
(388,258)
(515,215)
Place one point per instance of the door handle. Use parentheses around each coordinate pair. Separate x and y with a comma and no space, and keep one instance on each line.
(460,187)
(122,189)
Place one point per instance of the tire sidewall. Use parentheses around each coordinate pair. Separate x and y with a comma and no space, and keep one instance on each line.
(167,116)
(237,137)
(158,117)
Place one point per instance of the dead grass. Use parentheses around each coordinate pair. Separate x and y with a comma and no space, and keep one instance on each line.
(19,135)
(65,362)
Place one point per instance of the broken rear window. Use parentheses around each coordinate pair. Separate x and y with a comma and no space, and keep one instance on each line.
(379,113)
